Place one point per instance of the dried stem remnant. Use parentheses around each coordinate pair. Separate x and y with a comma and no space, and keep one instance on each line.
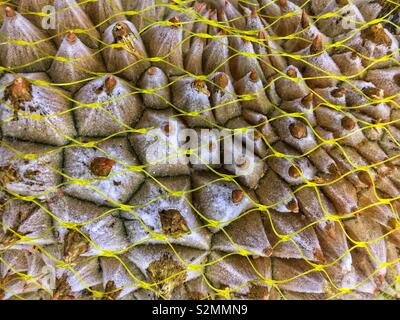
(75,244)
(376,34)
(19,91)
(173,224)
(167,274)
(101,166)
(8,174)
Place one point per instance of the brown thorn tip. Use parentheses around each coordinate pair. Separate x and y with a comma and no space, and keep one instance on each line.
(21,89)
(283,4)
(254,76)
(293,206)
(294,172)
(21,82)
(316,45)
(201,87)
(175,21)
(308,99)
(381,278)
(292,73)
(338,92)
(319,255)
(199,6)
(268,252)
(151,71)
(110,83)
(222,80)
(377,34)
(237,196)
(305,21)
(374,93)
(298,130)
(71,37)
(10,12)
(333,170)
(365,178)
(343,2)
(101,166)
(330,229)
(121,30)
(348,123)
(168,129)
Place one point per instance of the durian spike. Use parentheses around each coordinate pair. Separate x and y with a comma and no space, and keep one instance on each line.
(81,64)
(24,58)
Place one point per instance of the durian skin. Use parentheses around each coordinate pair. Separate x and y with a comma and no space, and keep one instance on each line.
(81,182)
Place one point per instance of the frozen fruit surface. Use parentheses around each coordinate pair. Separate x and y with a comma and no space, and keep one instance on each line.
(208,149)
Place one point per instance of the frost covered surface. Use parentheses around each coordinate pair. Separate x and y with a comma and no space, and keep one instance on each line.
(117,187)
(105,195)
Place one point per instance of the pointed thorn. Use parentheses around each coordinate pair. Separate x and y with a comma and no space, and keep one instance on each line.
(374,93)
(121,30)
(305,20)
(381,278)
(175,22)
(168,129)
(348,123)
(319,255)
(293,206)
(330,229)
(268,252)
(283,4)
(21,89)
(294,172)
(201,87)
(316,45)
(222,80)
(71,37)
(365,178)
(151,71)
(110,84)
(254,76)
(308,100)
(292,73)
(338,92)
(343,3)
(298,130)
(101,166)
(10,12)
(237,196)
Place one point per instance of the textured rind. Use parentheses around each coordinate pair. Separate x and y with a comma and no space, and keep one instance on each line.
(102,198)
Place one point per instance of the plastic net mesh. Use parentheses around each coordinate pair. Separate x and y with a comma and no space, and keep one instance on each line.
(136,232)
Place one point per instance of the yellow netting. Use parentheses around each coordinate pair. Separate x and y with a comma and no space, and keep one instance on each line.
(333,290)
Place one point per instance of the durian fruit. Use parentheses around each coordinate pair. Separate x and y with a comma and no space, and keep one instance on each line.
(213,149)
